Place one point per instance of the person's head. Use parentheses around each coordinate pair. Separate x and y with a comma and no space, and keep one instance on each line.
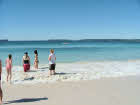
(52,51)
(26,54)
(35,52)
(10,56)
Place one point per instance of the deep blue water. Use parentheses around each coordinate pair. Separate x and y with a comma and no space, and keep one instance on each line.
(71,51)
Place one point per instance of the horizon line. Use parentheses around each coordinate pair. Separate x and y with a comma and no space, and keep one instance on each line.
(72,39)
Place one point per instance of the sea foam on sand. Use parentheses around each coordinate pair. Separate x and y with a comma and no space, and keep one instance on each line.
(75,71)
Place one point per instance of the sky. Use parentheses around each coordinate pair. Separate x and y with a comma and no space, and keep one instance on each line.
(69,19)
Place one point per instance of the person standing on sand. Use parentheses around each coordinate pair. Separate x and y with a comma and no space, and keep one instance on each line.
(0,83)
(52,62)
(26,62)
(36,60)
(9,67)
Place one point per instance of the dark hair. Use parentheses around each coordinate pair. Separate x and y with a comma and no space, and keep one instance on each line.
(36,52)
(10,56)
(26,53)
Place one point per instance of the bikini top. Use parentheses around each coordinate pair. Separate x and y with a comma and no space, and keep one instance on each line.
(26,61)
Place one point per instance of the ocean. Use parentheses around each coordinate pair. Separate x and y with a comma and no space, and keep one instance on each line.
(71,51)
(100,57)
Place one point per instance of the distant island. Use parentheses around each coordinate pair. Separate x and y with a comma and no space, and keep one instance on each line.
(94,40)
(3,40)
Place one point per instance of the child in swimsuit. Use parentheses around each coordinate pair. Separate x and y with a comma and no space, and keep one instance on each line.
(9,67)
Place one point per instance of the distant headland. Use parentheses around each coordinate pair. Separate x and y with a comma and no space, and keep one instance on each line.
(80,40)
(3,40)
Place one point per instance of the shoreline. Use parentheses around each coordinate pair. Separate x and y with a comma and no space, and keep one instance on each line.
(75,72)
(81,62)
(123,78)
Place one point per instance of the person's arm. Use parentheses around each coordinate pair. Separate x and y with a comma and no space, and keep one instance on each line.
(29,60)
(11,62)
(49,58)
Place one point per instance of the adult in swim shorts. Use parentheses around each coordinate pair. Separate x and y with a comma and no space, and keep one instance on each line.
(52,62)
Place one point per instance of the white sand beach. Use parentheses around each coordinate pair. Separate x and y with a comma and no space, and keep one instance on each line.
(70,52)
(105,91)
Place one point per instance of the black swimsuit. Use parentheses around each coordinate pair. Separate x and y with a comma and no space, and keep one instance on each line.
(26,61)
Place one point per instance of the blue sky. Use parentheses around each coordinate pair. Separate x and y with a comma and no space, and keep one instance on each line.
(69,19)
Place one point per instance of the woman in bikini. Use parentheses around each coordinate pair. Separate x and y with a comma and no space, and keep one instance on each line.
(26,62)
(9,67)
(36,59)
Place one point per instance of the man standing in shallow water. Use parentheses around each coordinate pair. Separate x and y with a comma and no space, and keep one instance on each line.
(52,62)
(0,83)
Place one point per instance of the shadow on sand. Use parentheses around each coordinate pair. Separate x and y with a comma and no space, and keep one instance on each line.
(31,78)
(26,100)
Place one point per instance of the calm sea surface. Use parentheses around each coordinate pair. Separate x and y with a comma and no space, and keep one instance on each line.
(71,51)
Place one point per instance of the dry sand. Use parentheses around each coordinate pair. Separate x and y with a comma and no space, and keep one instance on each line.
(109,91)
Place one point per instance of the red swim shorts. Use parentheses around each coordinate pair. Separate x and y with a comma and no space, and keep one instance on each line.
(26,67)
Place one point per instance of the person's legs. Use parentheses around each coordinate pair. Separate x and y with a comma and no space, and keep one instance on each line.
(24,67)
(50,72)
(53,72)
(10,73)
(7,75)
(53,67)
(36,65)
(28,67)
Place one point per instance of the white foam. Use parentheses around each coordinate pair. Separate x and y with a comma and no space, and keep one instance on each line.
(75,71)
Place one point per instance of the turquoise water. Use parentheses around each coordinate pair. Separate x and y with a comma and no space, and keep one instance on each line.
(71,51)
